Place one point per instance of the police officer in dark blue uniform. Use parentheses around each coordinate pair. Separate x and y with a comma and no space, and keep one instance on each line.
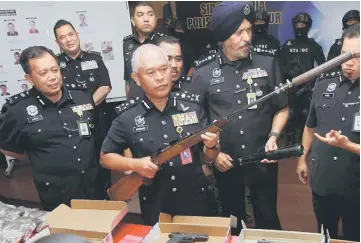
(144,21)
(298,56)
(334,118)
(228,81)
(55,128)
(83,67)
(262,41)
(148,123)
(350,18)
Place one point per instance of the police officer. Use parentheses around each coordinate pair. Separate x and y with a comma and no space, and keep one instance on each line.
(227,81)
(151,122)
(350,18)
(335,170)
(55,128)
(85,68)
(298,56)
(262,41)
(144,21)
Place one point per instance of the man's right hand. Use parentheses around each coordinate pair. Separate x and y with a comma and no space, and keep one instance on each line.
(223,162)
(146,168)
(302,170)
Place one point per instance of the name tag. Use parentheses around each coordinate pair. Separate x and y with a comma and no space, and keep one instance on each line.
(83,128)
(252,97)
(184,119)
(217,81)
(35,118)
(328,95)
(140,129)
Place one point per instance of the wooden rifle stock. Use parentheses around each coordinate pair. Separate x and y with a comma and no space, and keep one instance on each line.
(125,188)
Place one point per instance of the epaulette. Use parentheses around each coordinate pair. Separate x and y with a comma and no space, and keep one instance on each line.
(16,98)
(77,86)
(160,34)
(202,62)
(94,52)
(288,43)
(264,51)
(126,105)
(187,96)
(127,37)
(186,79)
(330,74)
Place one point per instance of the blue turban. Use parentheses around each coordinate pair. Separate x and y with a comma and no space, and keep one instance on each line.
(228,16)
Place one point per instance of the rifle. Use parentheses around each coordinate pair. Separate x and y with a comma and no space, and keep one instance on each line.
(126,186)
(290,151)
(179,237)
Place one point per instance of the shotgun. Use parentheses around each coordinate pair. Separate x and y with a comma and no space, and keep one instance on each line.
(126,186)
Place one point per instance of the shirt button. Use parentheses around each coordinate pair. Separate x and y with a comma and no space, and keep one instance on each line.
(236,71)
(241,132)
(174,189)
(188,134)
(349,92)
(240,117)
(335,158)
(202,189)
(218,90)
(165,136)
(69,135)
(76,66)
(343,118)
(74,147)
(163,122)
(346,105)
(324,105)
(78,75)
(255,85)
(141,139)
(47,183)
(239,102)
(65,123)
(170,163)
(172,178)
(39,130)
(237,86)
(83,172)
(105,113)
(243,147)
(59,112)
(144,198)
(79,159)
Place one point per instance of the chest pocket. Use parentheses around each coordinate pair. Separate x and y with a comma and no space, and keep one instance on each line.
(221,95)
(324,109)
(143,146)
(261,84)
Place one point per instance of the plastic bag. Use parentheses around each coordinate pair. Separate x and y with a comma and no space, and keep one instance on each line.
(17,231)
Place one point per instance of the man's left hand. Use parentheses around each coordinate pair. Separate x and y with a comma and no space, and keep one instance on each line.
(335,139)
(271,145)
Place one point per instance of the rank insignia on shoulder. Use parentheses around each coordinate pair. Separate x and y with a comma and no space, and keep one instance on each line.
(204,61)
(128,37)
(16,98)
(186,96)
(330,74)
(126,105)
(186,79)
(82,86)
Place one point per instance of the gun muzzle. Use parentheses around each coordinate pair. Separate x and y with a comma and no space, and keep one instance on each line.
(290,151)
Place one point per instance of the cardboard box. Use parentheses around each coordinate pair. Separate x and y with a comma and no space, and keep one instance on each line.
(329,240)
(91,219)
(254,235)
(217,229)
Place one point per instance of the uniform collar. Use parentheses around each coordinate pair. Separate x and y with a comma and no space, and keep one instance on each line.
(69,59)
(344,80)
(177,84)
(148,39)
(43,101)
(148,105)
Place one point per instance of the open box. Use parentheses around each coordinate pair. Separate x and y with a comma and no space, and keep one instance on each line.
(256,235)
(329,240)
(92,219)
(217,228)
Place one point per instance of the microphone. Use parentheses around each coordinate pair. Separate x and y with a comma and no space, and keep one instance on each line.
(286,152)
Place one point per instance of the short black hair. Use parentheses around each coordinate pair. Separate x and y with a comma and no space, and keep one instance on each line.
(167,39)
(32,21)
(33,52)
(16,53)
(11,24)
(352,32)
(3,85)
(61,23)
(135,4)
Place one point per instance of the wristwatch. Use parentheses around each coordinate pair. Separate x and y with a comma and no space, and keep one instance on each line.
(276,134)
(214,147)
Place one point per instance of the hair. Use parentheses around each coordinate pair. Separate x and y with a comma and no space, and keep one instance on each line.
(143,50)
(352,32)
(33,52)
(16,53)
(61,23)
(3,85)
(32,21)
(24,84)
(136,4)
(167,39)
(11,24)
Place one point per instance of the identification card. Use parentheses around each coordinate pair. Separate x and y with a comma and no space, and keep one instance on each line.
(186,156)
(356,122)
(83,128)
(252,97)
